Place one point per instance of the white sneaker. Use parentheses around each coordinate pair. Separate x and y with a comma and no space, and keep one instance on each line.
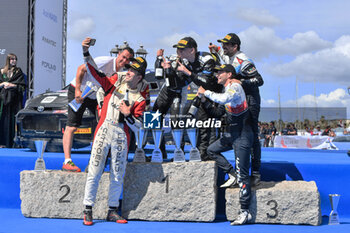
(243,217)
(232,180)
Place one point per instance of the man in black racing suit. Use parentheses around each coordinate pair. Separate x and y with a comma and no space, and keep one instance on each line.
(188,66)
(251,80)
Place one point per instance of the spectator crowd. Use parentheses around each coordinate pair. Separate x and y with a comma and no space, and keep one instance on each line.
(268,131)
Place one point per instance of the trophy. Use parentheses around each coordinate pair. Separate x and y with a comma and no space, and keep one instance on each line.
(334,217)
(157,156)
(179,155)
(40,148)
(139,155)
(88,90)
(194,152)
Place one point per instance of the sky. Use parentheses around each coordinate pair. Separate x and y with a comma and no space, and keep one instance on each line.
(300,47)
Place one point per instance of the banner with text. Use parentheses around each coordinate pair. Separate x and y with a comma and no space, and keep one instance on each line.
(304,142)
(48,45)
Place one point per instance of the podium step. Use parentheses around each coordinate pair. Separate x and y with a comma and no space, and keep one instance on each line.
(286,202)
(58,194)
(170,191)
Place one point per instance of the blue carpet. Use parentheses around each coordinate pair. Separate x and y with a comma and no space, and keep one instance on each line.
(12,221)
(329,169)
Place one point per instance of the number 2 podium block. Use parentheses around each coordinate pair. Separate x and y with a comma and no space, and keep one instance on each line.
(58,194)
(286,202)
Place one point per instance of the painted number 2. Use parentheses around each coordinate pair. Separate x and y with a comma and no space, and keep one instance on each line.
(273,205)
(62,199)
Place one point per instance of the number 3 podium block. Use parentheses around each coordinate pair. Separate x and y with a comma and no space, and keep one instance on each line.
(286,202)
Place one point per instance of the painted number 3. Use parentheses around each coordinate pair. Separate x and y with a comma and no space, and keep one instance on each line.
(273,205)
(62,199)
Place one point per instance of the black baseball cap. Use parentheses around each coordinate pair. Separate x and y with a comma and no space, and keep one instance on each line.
(186,42)
(139,64)
(226,68)
(231,38)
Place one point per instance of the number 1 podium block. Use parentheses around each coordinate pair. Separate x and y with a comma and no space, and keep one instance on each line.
(170,191)
(286,202)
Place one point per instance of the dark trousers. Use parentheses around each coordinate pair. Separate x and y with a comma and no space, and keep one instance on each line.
(205,136)
(241,142)
(254,111)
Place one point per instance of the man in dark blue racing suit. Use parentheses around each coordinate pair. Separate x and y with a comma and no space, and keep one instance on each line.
(238,136)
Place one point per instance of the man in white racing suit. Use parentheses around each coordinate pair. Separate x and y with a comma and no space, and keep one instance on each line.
(118,116)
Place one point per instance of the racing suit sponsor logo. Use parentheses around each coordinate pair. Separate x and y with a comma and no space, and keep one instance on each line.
(240,61)
(237,110)
(116,106)
(99,150)
(120,148)
(251,70)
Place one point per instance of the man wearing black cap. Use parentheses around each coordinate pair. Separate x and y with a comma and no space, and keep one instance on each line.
(238,135)
(118,116)
(251,80)
(189,66)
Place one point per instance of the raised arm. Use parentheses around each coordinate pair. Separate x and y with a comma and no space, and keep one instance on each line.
(92,69)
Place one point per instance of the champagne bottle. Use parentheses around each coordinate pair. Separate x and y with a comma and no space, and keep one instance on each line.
(170,77)
(159,70)
(195,105)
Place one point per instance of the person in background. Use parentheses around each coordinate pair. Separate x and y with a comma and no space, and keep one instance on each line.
(317,131)
(347,130)
(263,133)
(311,130)
(270,136)
(12,87)
(307,130)
(291,130)
(328,132)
